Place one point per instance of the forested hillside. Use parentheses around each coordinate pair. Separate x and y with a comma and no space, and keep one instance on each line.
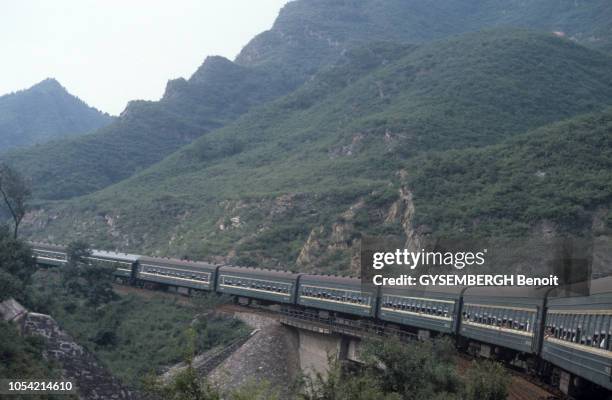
(146,131)
(44,112)
(307,34)
(297,181)
(558,174)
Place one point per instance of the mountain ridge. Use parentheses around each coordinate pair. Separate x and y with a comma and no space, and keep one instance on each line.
(323,164)
(306,36)
(45,111)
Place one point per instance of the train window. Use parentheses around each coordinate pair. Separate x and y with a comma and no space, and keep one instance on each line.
(563,322)
(594,330)
(588,329)
(605,328)
(516,323)
(579,331)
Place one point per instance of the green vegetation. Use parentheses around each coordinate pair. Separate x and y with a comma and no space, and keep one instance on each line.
(330,155)
(16,267)
(307,35)
(130,334)
(559,173)
(391,370)
(20,357)
(146,131)
(409,371)
(44,112)
(186,384)
(83,280)
(134,335)
(486,381)
(14,194)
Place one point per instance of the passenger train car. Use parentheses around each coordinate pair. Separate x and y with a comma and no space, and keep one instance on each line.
(510,318)
(181,273)
(335,293)
(429,309)
(262,284)
(578,333)
(125,264)
(528,327)
(49,255)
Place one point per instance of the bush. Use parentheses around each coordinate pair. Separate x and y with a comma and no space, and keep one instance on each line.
(487,380)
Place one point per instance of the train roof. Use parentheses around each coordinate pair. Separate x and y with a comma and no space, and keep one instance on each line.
(423,289)
(47,246)
(176,262)
(595,287)
(343,280)
(115,256)
(259,271)
(601,285)
(508,291)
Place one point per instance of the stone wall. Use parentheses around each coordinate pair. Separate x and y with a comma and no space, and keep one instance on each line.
(80,366)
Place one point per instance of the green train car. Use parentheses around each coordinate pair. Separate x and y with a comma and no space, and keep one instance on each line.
(578,333)
(335,293)
(260,284)
(178,273)
(49,255)
(125,264)
(503,318)
(433,308)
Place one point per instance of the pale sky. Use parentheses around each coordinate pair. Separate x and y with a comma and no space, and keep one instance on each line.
(108,52)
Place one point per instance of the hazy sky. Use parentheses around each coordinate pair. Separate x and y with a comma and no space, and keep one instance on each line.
(110,51)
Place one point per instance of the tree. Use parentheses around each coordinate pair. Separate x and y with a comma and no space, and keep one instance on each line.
(17,265)
(80,278)
(415,370)
(15,192)
(487,380)
(78,252)
(185,384)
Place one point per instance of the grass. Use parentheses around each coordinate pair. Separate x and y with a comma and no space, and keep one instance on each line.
(136,335)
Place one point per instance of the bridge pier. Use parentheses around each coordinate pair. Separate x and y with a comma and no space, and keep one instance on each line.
(317,349)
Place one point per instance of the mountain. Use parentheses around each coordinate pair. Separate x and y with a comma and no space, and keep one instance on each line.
(310,33)
(558,175)
(44,112)
(146,131)
(307,35)
(296,181)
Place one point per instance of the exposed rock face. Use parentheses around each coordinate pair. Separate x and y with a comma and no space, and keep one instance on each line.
(80,366)
(270,354)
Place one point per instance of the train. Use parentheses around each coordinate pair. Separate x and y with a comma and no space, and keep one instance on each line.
(565,339)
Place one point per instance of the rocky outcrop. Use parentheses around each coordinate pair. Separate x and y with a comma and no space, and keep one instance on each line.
(78,365)
(270,354)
